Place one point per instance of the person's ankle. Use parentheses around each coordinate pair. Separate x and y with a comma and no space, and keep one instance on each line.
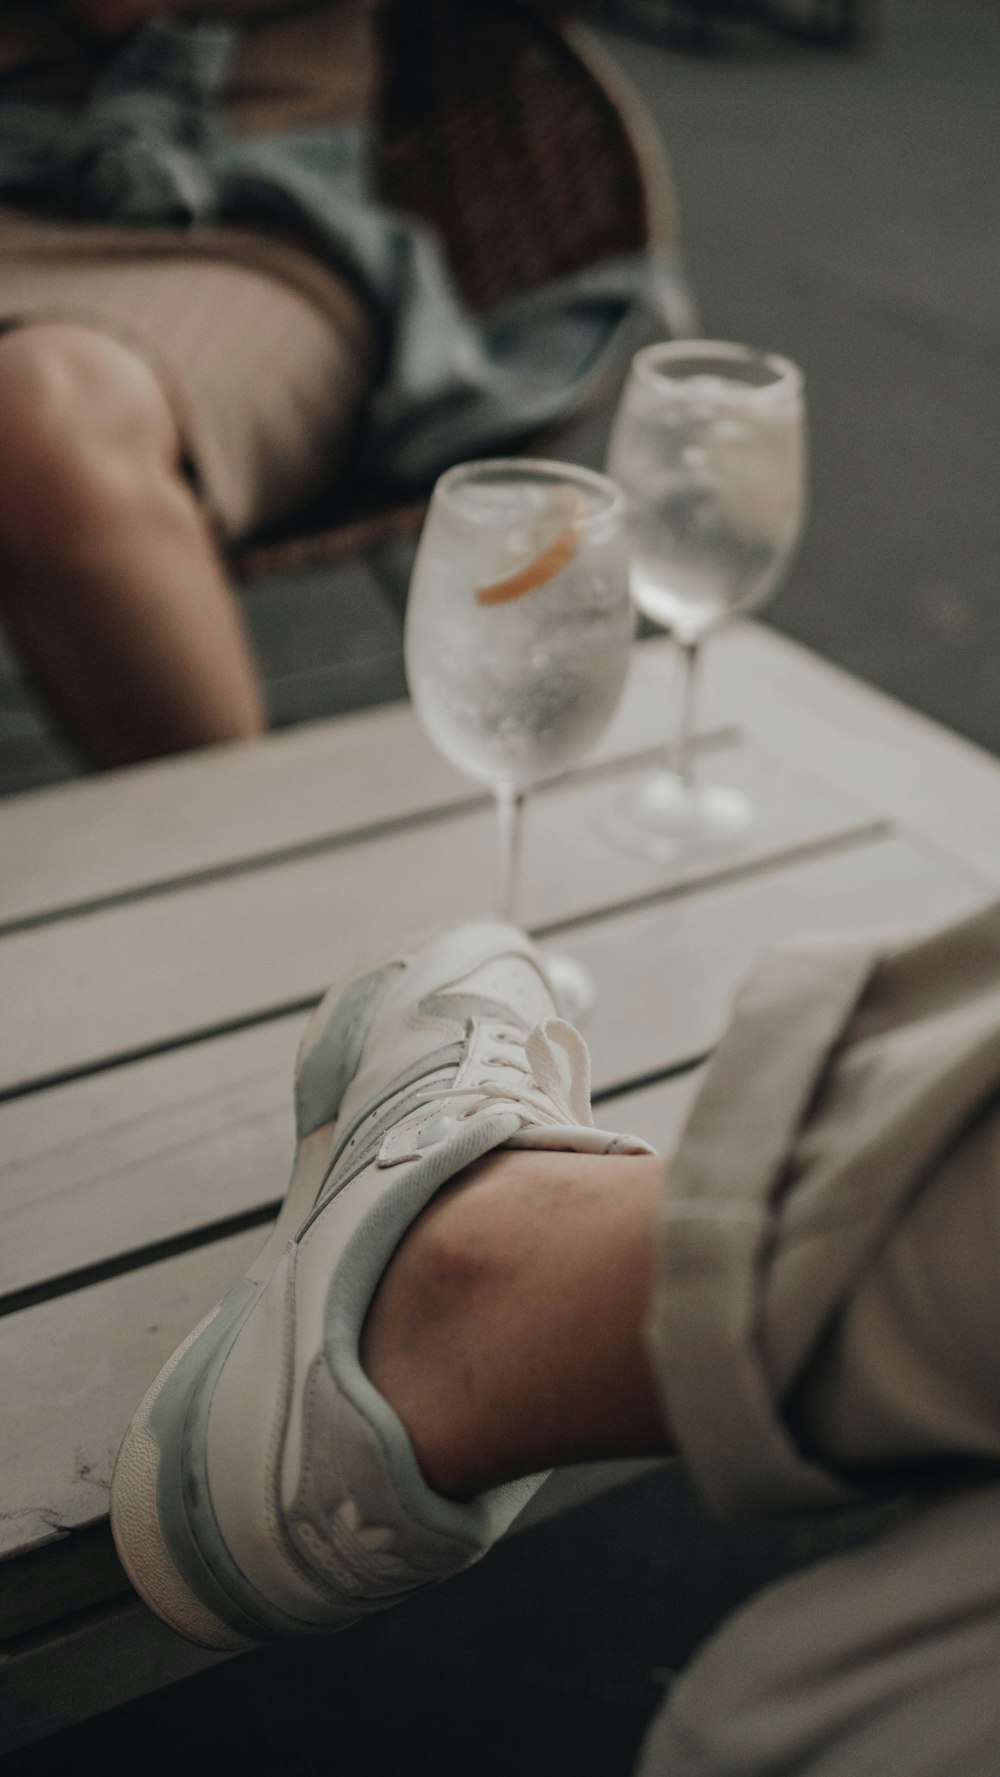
(414,1341)
(480,1333)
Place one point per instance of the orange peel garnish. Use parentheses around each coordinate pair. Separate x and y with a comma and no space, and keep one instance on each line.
(539,572)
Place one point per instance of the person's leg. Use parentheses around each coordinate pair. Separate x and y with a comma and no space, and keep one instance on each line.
(507,1332)
(825,1261)
(434,1316)
(825,1333)
(351,1456)
(110,582)
(878,1662)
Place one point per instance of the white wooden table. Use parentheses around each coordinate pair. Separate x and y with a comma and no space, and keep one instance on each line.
(163,933)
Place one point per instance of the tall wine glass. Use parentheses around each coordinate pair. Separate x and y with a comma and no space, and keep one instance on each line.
(708,445)
(518,630)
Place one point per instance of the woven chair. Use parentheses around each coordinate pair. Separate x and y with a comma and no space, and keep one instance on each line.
(521,142)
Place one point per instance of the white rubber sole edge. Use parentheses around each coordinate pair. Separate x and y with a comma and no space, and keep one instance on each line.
(134,1521)
(136,1528)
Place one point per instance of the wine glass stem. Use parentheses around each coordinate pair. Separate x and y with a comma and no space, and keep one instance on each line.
(510,806)
(683,752)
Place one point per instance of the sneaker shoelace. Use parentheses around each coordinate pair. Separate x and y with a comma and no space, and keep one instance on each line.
(554,1063)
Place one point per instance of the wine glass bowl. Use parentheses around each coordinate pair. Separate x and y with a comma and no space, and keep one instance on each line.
(518,632)
(708,445)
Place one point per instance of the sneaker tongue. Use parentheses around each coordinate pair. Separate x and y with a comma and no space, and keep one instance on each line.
(560,1066)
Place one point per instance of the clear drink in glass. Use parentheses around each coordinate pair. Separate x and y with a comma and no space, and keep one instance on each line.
(518,632)
(708,446)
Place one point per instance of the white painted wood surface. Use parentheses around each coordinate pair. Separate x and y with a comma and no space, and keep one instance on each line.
(198,957)
(916,773)
(147,1043)
(124,831)
(204,1139)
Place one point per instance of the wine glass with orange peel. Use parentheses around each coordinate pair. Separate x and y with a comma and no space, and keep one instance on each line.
(518,630)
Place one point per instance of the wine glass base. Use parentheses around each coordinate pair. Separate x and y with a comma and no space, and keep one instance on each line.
(664,820)
(572,986)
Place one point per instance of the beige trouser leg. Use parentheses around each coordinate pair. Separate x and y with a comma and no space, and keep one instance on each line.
(826,1330)
(884,1662)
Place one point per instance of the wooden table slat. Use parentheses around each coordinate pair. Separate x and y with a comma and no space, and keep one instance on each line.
(150,972)
(128,831)
(665,976)
(657,1112)
(912,770)
(123,831)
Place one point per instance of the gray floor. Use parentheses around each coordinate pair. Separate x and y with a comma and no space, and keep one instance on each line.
(839,209)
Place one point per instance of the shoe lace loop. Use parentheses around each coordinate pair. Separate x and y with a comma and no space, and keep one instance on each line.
(556,1070)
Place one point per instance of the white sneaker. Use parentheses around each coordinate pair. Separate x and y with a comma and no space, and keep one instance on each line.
(264,1487)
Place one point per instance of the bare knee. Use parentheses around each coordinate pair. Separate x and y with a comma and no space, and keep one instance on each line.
(87,432)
